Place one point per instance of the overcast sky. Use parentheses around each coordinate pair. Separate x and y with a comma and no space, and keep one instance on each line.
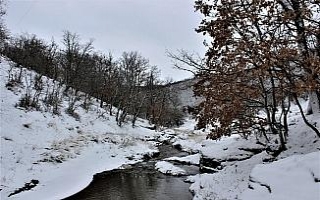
(148,26)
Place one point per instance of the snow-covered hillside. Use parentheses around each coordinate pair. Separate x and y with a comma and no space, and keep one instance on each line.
(184,90)
(42,149)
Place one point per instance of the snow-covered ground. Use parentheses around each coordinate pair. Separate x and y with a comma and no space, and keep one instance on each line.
(61,152)
(295,177)
(243,162)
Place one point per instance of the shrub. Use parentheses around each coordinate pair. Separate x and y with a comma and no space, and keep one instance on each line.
(27,102)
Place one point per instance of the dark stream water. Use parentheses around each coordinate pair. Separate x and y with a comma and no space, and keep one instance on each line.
(141,182)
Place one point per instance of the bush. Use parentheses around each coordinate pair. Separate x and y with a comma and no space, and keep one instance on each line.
(27,102)
(53,101)
(71,111)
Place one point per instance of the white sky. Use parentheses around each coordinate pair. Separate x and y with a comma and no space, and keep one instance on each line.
(148,26)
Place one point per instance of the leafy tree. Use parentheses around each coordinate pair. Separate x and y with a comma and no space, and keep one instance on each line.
(261,56)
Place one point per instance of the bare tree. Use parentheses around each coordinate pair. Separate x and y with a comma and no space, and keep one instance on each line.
(186,61)
(73,56)
(133,69)
(3,29)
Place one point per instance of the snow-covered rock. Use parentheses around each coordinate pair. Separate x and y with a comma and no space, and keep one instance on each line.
(296,177)
(227,183)
(168,168)
(191,159)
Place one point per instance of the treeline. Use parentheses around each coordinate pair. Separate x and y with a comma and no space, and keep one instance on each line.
(128,83)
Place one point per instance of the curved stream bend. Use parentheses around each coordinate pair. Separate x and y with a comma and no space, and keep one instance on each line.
(141,182)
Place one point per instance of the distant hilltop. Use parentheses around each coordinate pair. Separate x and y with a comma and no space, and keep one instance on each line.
(184,90)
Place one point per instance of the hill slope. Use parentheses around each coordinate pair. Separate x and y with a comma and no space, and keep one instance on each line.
(184,91)
(43,149)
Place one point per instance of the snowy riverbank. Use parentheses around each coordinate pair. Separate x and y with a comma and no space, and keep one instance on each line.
(60,152)
(241,161)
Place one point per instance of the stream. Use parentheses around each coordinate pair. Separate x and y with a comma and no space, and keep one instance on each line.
(140,182)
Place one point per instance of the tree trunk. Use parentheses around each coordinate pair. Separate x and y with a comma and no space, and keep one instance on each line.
(304,117)
(314,103)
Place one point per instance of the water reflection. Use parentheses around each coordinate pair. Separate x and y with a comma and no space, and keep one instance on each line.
(139,183)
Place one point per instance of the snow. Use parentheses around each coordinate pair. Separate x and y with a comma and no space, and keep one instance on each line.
(191,159)
(72,176)
(168,168)
(187,138)
(228,148)
(290,178)
(228,183)
(61,152)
